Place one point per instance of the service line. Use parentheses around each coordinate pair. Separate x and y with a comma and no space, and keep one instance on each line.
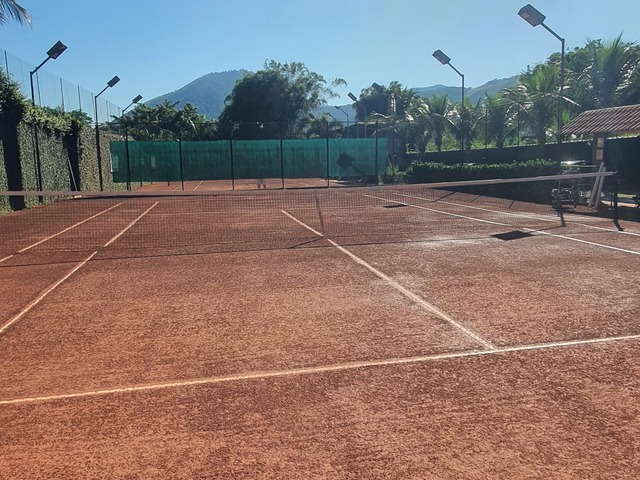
(393,283)
(318,369)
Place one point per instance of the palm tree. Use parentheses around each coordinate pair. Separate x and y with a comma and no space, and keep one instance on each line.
(499,118)
(608,75)
(438,113)
(10,9)
(539,90)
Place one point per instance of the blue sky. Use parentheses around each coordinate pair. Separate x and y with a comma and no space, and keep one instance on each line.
(157,46)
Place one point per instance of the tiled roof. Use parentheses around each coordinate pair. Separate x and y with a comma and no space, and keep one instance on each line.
(605,120)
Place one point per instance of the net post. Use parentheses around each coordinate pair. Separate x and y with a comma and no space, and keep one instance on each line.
(616,212)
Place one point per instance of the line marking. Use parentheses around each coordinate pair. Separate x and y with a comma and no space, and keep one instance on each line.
(542,218)
(390,281)
(68,228)
(541,232)
(46,292)
(318,369)
(5,258)
(440,211)
(196,187)
(130,225)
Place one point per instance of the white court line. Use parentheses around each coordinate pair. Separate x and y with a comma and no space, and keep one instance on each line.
(68,228)
(521,215)
(390,281)
(35,302)
(319,369)
(541,232)
(5,258)
(130,225)
(196,187)
(75,269)
(440,211)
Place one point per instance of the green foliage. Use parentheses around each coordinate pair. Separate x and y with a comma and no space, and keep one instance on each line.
(12,103)
(275,101)
(166,122)
(438,172)
(392,176)
(11,9)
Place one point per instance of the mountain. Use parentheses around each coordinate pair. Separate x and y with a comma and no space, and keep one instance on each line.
(473,94)
(208,93)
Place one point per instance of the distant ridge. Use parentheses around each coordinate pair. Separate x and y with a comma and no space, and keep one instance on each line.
(208,93)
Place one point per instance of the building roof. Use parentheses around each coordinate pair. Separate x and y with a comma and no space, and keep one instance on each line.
(612,120)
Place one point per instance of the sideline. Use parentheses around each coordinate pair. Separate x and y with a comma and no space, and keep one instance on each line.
(533,230)
(55,285)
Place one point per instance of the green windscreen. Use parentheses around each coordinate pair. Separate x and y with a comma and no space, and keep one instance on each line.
(138,161)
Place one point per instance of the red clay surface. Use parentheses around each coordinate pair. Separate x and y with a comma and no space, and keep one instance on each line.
(225,337)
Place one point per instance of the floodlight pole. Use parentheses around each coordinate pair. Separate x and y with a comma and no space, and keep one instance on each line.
(110,84)
(53,53)
(126,139)
(445,60)
(346,114)
(534,18)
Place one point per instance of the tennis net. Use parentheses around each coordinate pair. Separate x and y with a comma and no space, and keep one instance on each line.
(140,223)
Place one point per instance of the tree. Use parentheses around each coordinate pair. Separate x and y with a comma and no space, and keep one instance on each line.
(537,93)
(166,122)
(275,101)
(11,9)
(499,117)
(605,74)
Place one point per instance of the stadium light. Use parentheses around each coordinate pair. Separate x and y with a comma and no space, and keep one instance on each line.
(534,18)
(53,53)
(110,84)
(345,113)
(445,60)
(134,101)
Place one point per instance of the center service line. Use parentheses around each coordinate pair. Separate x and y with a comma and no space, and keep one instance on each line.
(390,281)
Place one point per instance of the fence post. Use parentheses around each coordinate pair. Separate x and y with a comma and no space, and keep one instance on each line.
(233,183)
(180,155)
(327,153)
(376,167)
(126,154)
(281,157)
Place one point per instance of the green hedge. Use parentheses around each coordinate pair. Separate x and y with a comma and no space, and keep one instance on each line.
(439,172)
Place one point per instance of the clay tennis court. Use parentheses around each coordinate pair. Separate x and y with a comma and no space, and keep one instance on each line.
(338,333)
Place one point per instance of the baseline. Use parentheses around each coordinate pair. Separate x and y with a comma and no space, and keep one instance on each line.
(319,369)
